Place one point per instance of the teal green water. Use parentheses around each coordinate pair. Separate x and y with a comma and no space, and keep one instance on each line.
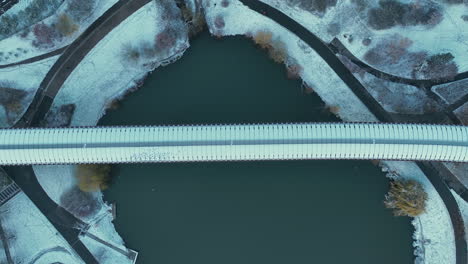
(246,212)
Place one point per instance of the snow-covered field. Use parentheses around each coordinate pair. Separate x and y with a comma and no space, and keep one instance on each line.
(240,20)
(39,40)
(32,239)
(434,237)
(26,78)
(347,21)
(86,84)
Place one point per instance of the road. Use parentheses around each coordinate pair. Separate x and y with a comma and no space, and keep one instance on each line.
(329,56)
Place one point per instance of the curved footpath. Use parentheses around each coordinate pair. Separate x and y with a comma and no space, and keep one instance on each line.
(337,47)
(36,58)
(360,91)
(66,224)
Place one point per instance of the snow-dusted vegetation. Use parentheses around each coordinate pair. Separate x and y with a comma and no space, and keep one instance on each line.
(422,39)
(47,33)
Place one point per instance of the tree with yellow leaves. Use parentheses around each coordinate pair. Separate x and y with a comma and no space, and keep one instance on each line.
(406,198)
(263,39)
(65,25)
(93,177)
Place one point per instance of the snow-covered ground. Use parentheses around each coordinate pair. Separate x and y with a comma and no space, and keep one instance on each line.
(32,238)
(41,37)
(98,249)
(394,97)
(434,237)
(112,58)
(240,20)
(348,21)
(25,78)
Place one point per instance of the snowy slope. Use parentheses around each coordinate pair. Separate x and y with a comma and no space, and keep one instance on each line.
(32,237)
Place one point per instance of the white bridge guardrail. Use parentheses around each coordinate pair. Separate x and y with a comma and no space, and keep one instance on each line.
(233,142)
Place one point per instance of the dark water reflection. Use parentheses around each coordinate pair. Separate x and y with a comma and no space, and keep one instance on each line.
(252,212)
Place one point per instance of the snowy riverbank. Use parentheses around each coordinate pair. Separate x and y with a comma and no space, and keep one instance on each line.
(436,244)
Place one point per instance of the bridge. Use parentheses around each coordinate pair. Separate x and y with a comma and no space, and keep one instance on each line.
(234,143)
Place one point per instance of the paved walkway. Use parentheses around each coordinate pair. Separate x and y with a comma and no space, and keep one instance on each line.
(328,55)
(34,59)
(338,47)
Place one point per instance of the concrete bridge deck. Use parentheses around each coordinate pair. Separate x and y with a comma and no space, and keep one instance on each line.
(233,142)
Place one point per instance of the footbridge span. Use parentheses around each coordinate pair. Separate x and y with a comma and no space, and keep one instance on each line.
(233,142)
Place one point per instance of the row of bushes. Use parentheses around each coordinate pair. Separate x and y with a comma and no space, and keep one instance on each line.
(392,13)
(175,28)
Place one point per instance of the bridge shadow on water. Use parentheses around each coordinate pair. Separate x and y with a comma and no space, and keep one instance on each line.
(246,212)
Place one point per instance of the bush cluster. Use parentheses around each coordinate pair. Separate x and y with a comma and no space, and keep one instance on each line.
(276,47)
(392,13)
(35,12)
(78,10)
(313,5)
(79,203)
(438,66)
